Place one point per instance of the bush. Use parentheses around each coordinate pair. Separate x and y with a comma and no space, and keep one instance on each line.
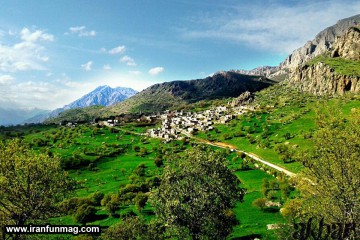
(239,134)
(69,205)
(140,170)
(158,162)
(140,201)
(260,203)
(128,213)
(96,198)
(85,213)
(130,228)
(271,195)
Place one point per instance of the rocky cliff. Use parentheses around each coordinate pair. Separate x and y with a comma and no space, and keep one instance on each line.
(321,79)
(348,45)
(323,42)
(335,72)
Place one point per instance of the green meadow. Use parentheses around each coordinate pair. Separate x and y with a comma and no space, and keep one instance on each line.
(123,164)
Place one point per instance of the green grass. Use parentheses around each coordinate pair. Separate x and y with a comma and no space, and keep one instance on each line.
(340,65)
(112,172)
(252,219)
(282,111)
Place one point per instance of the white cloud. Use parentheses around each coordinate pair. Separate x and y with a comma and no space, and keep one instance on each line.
(42,94)
(156,70)
(118,50)
(27,54)
(128,60)
(107,67)
(272,26)
(6,79)
(81,31)
(37,35)
(87,66)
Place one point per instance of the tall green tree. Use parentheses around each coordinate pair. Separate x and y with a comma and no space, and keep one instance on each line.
(330,185)
(196,195)
(31,184)
(334,168)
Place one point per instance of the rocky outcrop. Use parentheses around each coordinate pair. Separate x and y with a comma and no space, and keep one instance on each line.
(320,79)
(243,99)
(348,45)
(322,43)
(259,71)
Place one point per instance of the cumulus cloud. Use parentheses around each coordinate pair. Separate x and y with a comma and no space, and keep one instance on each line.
(28,54)
(128,60)
(81,31)
(87,66)
(118,50)
(37,35)
(156,70)
(273,26)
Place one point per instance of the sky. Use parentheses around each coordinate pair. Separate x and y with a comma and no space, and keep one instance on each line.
(54,52)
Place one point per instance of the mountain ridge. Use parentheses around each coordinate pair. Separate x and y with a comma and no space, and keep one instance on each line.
(322,42)
(162,96)
(334,72)
(101,96)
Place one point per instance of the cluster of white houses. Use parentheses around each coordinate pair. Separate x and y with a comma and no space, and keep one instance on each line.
(177,122)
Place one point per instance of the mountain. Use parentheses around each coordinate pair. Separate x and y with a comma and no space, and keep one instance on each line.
(322,43)
(260,71)
(11,116)
(101,96)
(336,71)
(168,95)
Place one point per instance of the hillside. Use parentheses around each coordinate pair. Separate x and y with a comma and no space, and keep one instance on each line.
(175,94)
(79,115)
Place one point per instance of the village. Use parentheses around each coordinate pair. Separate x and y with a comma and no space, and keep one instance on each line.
(176,124)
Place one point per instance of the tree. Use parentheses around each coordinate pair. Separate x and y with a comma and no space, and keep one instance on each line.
(140,201)
(330,187)
(85,213)
(31,184)
(131,228)
(196,195)
(260,203)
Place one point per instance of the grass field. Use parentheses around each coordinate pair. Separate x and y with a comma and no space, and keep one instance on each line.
(105,159)
(96,145)
(340,65)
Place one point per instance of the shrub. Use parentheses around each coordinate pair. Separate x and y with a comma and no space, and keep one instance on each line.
(96,198)
(140,201)
(128,213)
(85,213)
(260,203)
(271,195)
(158,162)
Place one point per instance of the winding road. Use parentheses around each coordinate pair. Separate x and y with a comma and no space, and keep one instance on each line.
(251,155)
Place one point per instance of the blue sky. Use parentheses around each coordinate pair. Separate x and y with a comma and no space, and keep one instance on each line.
(53,52)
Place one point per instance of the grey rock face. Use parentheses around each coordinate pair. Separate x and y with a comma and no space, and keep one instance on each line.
(322,43)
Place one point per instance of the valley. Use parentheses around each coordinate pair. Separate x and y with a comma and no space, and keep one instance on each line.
(240,154)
